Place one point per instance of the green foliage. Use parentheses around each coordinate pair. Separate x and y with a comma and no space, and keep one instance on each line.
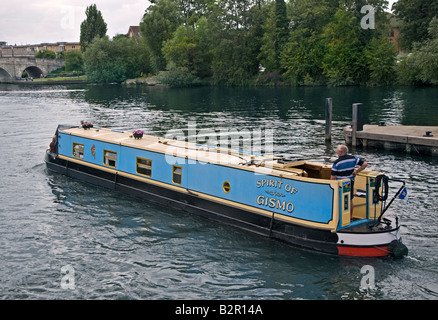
(342,62)
(268,57)
(269,79)
(204,46)
(45,54)
(158,25)
(275,35)
(181,50)
(407,71)
(300,42)
(380,56)
(236,32)
(415,17)
(281,31)
(178,77)
(73,61)
(421,66)
(328,46)
(93,26)
(115,60)
(302,56)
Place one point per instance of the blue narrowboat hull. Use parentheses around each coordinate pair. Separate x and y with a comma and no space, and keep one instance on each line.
(302,212)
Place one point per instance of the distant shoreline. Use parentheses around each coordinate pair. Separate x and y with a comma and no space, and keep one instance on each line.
(46,81)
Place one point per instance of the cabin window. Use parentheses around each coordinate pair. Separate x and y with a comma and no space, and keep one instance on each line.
(78,150)
(110,158)
(227,187)
(177,175)
(144,167)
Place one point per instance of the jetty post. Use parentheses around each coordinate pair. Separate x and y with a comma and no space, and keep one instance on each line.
(328,119)
(357,123)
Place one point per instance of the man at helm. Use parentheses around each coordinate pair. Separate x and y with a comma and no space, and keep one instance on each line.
(345,168)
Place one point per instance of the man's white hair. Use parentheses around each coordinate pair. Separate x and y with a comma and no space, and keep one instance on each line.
(343,149)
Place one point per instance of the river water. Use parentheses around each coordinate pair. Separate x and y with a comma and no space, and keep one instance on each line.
(117,247)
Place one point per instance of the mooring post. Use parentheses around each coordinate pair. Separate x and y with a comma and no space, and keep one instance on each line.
(328,119)
(357,123)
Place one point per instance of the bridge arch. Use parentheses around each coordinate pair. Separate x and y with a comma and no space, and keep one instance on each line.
(4,74)
(33,72)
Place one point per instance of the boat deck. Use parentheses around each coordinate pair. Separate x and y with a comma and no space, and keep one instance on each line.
(365,226)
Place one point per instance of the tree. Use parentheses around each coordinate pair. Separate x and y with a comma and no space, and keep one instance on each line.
(281,30)
(236,34)
(115,60)
(93,26)
(204,55)
(275,35)
(342,63)
(190,50)
(73,61)
(180,51)
(267,56)
(421,66)
(45,54)
(415,17)
(380,57)
(302,56)
(159,23)
(304,41)
(193,10)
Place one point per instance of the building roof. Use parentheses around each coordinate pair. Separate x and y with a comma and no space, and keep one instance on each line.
(134,31)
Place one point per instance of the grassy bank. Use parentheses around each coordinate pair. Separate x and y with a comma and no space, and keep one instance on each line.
(47,81)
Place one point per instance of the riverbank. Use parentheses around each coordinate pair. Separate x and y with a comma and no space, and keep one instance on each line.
(150,81)
(47,81)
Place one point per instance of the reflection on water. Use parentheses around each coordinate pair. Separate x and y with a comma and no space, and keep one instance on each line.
(123,248)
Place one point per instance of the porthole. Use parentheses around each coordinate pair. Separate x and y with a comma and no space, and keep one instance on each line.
(227,187)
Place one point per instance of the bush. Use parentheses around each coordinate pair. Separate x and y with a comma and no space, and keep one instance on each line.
(45,54)
(421,66)
(269,78)
(115,61)
(178,77)
(73,61)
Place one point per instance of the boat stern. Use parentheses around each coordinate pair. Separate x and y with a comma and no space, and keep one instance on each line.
(371,240)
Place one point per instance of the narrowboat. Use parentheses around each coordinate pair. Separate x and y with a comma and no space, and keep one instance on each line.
(290,200)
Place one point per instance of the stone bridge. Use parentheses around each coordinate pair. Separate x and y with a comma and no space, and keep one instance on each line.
(13,67)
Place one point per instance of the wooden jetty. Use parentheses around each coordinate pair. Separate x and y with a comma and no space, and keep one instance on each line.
(422,140)
(411,139)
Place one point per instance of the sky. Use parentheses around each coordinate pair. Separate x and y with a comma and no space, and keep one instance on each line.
(34,22)
(38,21)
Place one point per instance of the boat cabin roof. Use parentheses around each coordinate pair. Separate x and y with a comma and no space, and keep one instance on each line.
(210,154)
